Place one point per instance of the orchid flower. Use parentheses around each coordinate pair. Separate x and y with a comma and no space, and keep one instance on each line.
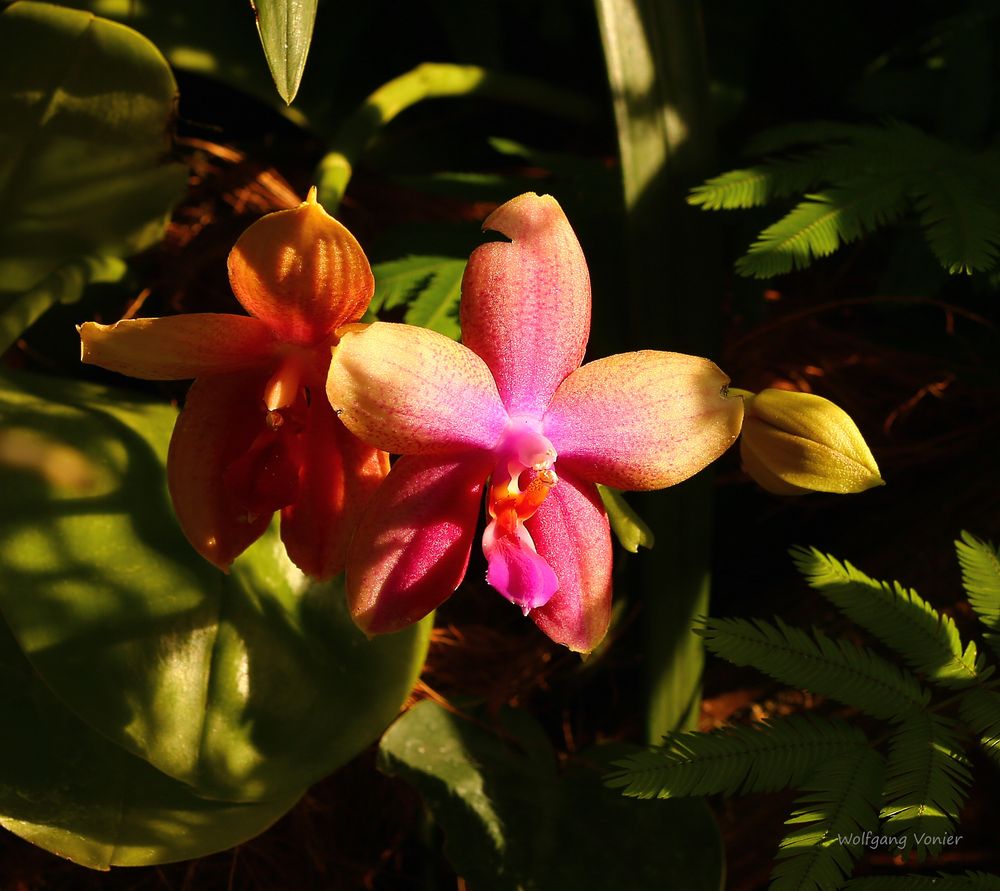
(513,405)
(256,434)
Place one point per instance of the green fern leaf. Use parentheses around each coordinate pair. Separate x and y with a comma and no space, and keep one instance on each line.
(971,881)
(397,282)
(980,562)
(755,186)
(734,760)
(898,616)
(980,709)
(961,226)
(787,136)
(822,223)
(838,669)
(926,781)
(830,819)
(436,306)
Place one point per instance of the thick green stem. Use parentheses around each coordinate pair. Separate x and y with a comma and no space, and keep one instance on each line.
(432,81)
(658,75)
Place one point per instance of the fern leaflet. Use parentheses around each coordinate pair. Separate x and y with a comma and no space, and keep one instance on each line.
(980,561)
(759,758)
(926,781)
(830,819)
(898,616)
(980,709)
(838,669)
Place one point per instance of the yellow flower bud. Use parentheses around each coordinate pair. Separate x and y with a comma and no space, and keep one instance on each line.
(793,443)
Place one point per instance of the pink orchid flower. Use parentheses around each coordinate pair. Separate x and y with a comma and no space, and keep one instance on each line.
(513,405)
(256,435)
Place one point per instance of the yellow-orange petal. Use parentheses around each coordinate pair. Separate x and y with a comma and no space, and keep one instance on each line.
(642,420)
(413,391)
(221,417)
(301,272)
(176,347)
(338,477)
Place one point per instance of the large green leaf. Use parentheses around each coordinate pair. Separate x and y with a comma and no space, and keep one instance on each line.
(286,28)
(86,106)
(244,686)
(512,822)
(67,789)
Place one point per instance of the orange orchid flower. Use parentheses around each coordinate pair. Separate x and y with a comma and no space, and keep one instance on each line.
(257,434)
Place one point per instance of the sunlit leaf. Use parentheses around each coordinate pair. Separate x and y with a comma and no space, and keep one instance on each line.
(286,28)
(69,790)
(87,106)
(244,686)
(511,821)
(629,528)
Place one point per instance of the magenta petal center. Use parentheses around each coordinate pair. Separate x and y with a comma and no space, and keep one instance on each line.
(515,568)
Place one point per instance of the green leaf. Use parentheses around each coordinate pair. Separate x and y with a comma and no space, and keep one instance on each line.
(898,616)
(980,562)
(971,881)
(926,781)
(840,803)
(629,528)
(244,686)
(87,107)
(436,304)
(980,709)
(763,757)
(961,220)
(835,668)
(286,28)
(512,822)
(822,223)
(69,790)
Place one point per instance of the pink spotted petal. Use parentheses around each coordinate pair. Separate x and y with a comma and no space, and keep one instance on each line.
(338,476)
(516,570)
(412,391)
(412,546)
(642,420)
(526,305)
(571,533)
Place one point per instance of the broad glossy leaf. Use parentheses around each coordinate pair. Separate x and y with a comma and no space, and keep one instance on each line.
(69,790)
(286,28)
(512,822)
(244,686)
(87,107)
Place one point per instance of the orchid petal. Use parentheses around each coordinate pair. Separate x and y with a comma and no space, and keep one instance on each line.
(642,420)
(338,477)
(221,419)
(515,569)
(571,533)
(412,546)
(413,391)
(526,305)
(177,347)
(301,272)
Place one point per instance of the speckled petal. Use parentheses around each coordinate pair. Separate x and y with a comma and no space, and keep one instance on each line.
(177,347)
(412,547)
(642,420)
(571,533)
(526,305)
(412,391)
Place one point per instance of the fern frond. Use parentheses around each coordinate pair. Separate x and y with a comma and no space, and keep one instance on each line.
(926,780)
(838,669)
(961,225)
(761,757)
(399,281)
(971,881)
(786,136)
(839,805)
(822,223)
(436,306)
(755,186)
(980,709)
(980,562)
(898,616)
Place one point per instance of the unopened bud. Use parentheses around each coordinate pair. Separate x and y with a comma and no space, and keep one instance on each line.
(793,443)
